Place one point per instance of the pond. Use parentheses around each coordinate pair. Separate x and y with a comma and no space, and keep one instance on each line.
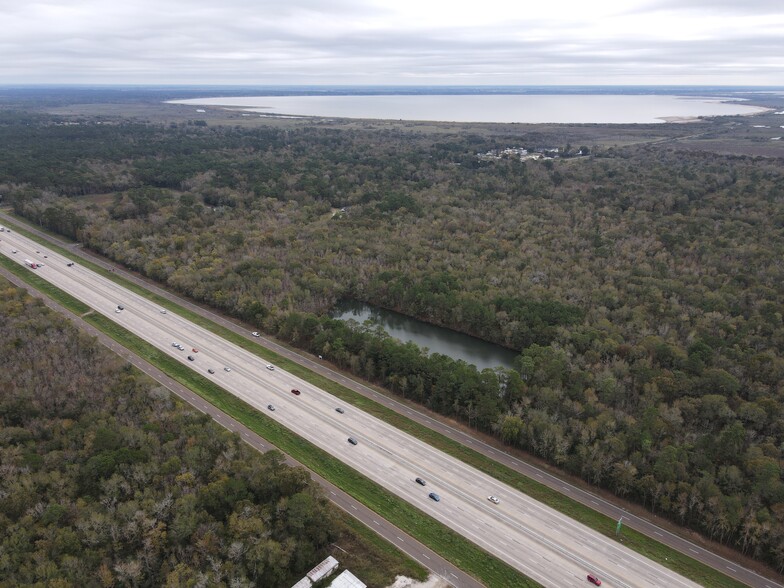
(436,339)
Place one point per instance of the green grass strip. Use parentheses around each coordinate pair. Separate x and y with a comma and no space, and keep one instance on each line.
(437,536)
(647,546)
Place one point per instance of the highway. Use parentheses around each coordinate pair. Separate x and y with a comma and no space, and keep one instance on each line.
(538,541)
(399,538)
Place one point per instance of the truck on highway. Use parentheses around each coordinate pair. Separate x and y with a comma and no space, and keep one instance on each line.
(32,264)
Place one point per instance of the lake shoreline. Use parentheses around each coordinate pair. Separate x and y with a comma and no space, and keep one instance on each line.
(489,108)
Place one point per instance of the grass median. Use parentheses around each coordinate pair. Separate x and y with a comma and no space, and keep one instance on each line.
(438,537)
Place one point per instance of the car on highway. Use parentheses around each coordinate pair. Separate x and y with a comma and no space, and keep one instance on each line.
(271,407)
(13,250)
(434,496)
(421,482)
(270,367)
(255,334)
(175,344)
(295,392)
(163,311)
(70,263)
(117,310)
(195,350)
(227,369)
(120,307)
(493,499)
(340,410)
(352,440)
(210,371)
(191,358)
(180,347)
(594,580)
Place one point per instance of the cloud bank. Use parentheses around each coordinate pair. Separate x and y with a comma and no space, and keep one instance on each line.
(393,42)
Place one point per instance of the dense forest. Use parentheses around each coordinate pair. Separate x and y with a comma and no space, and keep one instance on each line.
(106,480)
(641,285)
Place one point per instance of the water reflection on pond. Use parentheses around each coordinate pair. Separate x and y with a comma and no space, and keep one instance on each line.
(436,339)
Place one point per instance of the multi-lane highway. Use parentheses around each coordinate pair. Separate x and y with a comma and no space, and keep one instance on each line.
(538,541)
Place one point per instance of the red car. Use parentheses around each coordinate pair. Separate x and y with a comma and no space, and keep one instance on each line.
(295,392)
(594,580)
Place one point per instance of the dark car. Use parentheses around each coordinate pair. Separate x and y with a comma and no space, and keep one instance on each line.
(69,264)
(421,482)
(295,392)
(594,580)
(210,371)
(270,407)
(435,497)
(340,410)
(120,307)
(352,440)
(191,358)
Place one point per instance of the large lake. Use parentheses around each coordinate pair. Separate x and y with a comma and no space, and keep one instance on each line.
(436,339)
(557,108)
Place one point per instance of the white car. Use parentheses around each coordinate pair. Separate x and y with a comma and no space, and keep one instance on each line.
(163,311)
(493,499)
(255,334)
(227,369)
(270,367)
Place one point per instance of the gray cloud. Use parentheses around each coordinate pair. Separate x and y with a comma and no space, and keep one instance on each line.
(359,42)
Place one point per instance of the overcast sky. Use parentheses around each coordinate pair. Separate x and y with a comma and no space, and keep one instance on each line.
(479,42)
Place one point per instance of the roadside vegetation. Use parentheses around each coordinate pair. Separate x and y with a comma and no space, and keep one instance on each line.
(640,285)
(109,480)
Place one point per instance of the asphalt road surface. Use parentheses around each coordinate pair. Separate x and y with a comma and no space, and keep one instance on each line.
(538,541)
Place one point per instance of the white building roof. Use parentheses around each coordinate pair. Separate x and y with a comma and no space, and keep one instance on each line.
(347,580)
